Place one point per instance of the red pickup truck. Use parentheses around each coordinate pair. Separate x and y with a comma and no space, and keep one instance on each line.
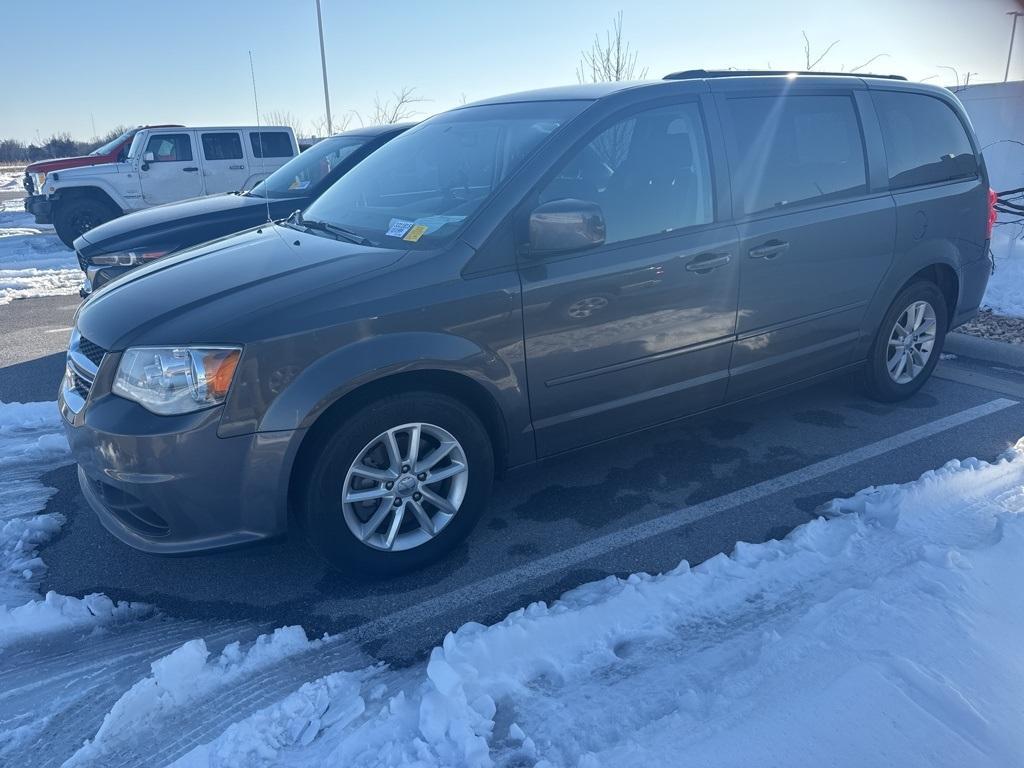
(35,174)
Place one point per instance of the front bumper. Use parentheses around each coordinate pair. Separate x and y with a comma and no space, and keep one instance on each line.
(40,207)
(170,484)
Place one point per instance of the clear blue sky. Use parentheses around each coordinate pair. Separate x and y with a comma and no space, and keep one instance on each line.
(68,63)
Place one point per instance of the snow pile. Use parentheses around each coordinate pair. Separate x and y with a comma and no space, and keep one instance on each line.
(32,443)
(184,676)
(1005,292)
(33,261)
(885,631)
(11,180)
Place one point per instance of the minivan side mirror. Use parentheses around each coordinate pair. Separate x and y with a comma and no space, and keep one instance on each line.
(561,226)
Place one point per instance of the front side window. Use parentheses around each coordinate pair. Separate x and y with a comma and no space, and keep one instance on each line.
(271,144)
(298,176)
(170,147)
(418,189)
(649,173)
(796,149)
(925,142)
(222,146)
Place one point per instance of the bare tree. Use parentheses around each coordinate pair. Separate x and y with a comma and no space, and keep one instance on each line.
(282,117)
(808,63)
(609,60)
(956,74)
(396,109)
(341,122)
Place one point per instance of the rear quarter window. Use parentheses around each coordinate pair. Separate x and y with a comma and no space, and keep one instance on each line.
(271,144)
(925,141)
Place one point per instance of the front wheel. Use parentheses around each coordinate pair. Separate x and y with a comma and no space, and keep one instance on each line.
(908,343)
(398,484)
(78,214)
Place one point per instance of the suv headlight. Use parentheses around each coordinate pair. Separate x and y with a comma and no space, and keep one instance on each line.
(174,380)
(125,258)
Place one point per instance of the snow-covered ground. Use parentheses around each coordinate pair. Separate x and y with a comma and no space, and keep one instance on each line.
(885,632)
(10,180)
(33,262)
(1005,292)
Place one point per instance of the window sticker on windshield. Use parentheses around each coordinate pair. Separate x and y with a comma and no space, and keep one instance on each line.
(398,227)
(298,184)
(416,233)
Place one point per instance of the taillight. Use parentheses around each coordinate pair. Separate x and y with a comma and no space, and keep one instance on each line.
(992,199)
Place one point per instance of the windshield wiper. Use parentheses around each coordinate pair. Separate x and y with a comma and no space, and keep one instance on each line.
(332,229)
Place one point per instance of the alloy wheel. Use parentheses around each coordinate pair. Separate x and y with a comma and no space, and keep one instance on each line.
(911,342)
(404,487)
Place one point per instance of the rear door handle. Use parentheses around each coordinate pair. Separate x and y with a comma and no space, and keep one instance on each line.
(190,169)
(237,167)
(769,250)
(705,262)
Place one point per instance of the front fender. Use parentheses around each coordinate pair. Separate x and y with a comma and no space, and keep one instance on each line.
(336,374)
(94,187)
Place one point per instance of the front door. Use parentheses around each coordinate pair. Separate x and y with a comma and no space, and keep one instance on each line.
(224,166)
(638,330)
(173,170)
(815,240)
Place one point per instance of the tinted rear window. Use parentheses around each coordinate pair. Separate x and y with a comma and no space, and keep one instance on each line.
(796,149)
(271,144)
(222,146)
(925,142)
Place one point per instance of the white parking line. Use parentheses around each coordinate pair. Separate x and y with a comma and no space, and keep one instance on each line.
(59,330)
(659,526)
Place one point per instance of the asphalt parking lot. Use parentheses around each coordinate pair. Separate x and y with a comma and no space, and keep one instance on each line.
(642,503)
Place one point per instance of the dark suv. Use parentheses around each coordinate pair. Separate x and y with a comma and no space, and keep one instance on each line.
(517,278)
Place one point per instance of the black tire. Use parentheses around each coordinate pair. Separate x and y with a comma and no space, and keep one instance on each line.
(879,385)
(322,516)
(78,214)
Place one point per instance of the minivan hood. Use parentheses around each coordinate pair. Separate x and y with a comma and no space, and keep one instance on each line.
(221,291)
(123,231)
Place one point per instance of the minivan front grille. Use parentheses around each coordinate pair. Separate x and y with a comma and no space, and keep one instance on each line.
(94,352)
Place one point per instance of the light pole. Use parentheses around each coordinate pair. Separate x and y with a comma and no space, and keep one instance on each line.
(323,65)
(1016,15)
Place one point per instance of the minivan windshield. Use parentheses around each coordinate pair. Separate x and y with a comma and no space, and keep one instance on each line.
(303,172)
(417,189)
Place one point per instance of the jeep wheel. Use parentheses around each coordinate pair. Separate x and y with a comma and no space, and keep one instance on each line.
(398,484)
(77,215)
(908,343)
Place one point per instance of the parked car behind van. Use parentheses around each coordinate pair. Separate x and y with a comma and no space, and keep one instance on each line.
(517,278)
(162,165)
(113,248)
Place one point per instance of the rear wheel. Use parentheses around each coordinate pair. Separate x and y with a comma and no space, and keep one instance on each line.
(908,343)
(78,214)
(398,484)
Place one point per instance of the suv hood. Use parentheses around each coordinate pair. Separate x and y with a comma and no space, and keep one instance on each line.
(103,168)
(226,291)
(149,225)
(48,166)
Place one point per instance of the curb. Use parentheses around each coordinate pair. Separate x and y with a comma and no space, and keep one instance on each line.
(985,349)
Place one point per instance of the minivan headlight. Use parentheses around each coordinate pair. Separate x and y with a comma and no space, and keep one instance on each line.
(125,258)
(174,380)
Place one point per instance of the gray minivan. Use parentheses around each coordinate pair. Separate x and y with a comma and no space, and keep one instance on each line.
(517,278)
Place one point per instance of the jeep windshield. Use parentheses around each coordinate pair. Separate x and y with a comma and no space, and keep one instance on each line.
(107,148)
(418,189)
(307,169)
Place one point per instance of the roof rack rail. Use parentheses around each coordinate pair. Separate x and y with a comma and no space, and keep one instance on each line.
(700,74)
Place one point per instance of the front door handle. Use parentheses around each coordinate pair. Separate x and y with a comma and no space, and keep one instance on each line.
(190,169)
(705,262)
(769,250)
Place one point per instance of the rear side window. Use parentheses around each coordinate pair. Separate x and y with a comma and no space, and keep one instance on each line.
(925,142)
(170,147)
(649,173)
(222,146)
(796,149)
(271,144)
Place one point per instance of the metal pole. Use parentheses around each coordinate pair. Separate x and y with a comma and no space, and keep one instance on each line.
(1016,15)
(323,66)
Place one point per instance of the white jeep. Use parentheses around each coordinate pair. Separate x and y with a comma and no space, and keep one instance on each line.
(163,165)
